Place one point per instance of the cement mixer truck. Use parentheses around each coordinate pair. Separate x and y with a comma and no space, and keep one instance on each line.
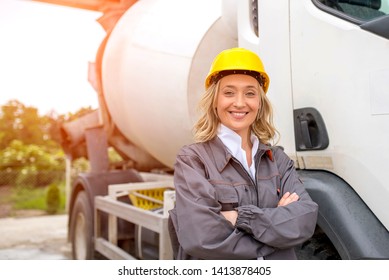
(329,66)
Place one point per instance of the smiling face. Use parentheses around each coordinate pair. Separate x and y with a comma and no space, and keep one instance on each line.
(238,102)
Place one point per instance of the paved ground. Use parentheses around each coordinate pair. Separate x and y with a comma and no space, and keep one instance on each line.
(34,238)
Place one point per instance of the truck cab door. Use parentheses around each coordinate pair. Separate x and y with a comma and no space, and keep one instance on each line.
(339,62)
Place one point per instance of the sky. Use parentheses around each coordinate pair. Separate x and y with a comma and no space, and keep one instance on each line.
(44,55)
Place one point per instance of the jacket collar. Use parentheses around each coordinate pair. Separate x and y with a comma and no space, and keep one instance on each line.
(222,156)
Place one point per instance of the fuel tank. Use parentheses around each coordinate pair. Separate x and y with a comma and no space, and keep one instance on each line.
(153,70)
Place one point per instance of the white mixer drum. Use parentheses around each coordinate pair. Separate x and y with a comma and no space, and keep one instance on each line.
(154,67)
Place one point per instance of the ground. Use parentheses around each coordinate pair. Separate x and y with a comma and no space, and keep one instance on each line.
(31,234)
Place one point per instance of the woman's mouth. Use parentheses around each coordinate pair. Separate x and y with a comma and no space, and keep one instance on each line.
(238,115)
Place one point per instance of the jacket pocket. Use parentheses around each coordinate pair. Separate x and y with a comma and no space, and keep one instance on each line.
(227,196)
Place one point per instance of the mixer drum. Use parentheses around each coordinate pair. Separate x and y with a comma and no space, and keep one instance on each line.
(154,67)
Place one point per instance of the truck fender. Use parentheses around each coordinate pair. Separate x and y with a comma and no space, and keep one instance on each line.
(347,221)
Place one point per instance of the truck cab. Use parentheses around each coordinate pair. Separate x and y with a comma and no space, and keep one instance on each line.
(329,66)
(328,61)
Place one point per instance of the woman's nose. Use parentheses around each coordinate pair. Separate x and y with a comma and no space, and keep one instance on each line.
(239,100)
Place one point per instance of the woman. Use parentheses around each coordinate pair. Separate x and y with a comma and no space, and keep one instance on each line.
(238,197)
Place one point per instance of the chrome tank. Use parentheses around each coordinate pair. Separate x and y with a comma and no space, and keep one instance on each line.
(154,67)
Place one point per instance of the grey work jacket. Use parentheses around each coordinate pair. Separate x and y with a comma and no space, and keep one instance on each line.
(208,179)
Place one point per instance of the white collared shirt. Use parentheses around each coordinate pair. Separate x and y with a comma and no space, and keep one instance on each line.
(233,142)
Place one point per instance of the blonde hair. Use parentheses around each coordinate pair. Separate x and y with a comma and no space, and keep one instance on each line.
(206,127)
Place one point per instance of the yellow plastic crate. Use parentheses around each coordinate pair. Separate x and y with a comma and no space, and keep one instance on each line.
(148,199)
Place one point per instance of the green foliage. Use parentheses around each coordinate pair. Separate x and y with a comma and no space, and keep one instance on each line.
(29,143)
(36,198)
(19,156)
(28,198)
(53,199)
(25,124)
(33,165)
(80,165)
(20,122)
(31,156)
(113,156)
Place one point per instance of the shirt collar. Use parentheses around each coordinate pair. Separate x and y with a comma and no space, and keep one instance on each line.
(233,141)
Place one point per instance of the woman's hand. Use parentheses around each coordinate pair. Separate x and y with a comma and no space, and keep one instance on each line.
(230,216)
(288,198)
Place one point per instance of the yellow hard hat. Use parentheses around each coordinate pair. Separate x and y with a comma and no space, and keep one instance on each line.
(237,61)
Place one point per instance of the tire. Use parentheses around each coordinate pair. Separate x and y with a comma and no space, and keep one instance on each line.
(81,230)
(318,247)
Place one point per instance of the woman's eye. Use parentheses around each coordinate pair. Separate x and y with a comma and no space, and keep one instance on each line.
(228,93)
(250,93)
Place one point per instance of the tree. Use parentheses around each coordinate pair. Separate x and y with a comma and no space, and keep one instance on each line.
(30,164)
(30,145)
(18,122)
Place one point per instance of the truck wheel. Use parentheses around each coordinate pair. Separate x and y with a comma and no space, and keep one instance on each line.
(82,229)
(318,247)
